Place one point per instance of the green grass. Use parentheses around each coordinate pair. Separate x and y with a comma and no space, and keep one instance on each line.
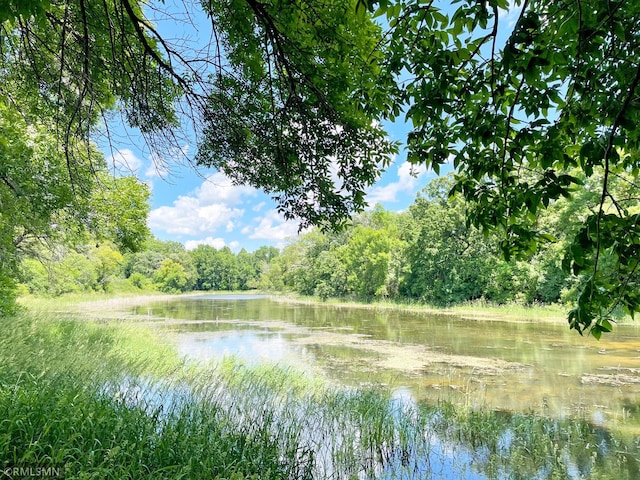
(477,309)
(94,399)
(113,400)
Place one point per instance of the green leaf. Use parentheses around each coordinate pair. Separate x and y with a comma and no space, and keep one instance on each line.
(605,325)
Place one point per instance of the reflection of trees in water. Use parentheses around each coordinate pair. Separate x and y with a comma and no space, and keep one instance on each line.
(346,433)
(353,347)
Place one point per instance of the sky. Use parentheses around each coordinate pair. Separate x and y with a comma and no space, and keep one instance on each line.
(203,207)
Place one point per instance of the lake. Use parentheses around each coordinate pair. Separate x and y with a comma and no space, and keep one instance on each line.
(526,366)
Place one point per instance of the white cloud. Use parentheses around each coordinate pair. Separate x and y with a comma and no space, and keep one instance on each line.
(511,14)
(259,206)
(157,170)
(216,243)
(409,176)
(124,162)
(160,166)
(212,206)
(274,227)
(218,187)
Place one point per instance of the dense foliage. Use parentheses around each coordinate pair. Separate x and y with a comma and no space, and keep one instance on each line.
(57,79)
(289,113)
(159,265)
(427,254)
(530,107)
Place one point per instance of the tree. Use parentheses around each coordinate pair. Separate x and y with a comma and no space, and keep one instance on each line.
(516,109)
(119,210)
(204,260)
(296,112)
(58,78)
(329,274)
(57,268)
(172,277)
(367,257)
(35,192)
(281,102)
(450,262)
(216,269)
(109,262)
(247,270)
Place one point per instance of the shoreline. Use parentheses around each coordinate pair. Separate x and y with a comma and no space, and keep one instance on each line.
(498,313)
(105,306)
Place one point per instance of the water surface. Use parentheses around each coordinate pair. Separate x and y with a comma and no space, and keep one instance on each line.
(519,366)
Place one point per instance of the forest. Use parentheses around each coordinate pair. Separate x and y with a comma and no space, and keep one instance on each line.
(427,254)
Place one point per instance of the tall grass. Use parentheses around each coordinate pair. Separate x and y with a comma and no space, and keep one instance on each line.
(113,401)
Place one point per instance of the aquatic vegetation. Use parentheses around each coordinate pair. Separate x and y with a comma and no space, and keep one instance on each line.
(111,400)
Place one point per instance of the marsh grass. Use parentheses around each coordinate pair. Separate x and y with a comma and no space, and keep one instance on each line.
(111,400)
(477,309)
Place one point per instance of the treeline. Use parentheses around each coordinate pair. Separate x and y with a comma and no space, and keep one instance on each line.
(432,254)
(428,253)
(160,265)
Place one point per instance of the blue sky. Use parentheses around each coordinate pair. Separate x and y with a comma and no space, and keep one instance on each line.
(203,207)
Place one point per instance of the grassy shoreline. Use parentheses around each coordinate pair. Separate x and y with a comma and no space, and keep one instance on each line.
(473,310)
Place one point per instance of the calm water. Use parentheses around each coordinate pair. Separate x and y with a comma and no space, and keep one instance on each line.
(525,366)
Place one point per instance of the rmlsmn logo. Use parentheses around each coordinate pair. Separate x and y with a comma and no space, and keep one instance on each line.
(30,471)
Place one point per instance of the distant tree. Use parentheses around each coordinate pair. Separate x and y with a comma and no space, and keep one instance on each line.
(56,269)
(108,264)
(119,210)
(216,269)
(367,258)
(205,261)
(449,261)
(144,263)
(246,268)
(261,260)
(141,267)
(271,277)
(264,254)
(330,274)
(172,277)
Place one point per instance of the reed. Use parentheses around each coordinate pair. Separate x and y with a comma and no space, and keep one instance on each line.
(112,400)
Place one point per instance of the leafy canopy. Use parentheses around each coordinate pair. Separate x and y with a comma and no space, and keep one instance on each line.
(280,99)
(291,113)
(64,66)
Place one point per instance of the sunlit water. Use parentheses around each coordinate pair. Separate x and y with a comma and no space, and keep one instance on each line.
(519,366)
